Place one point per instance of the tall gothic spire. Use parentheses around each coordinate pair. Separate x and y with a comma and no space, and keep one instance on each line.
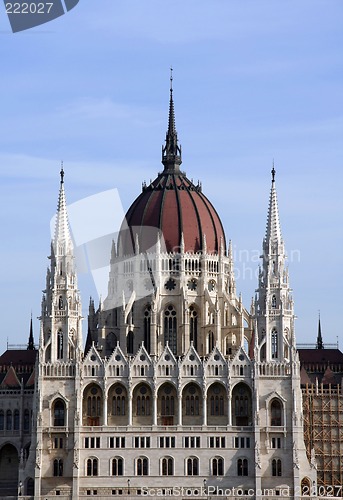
(273,231)
(62,237)
(171,152)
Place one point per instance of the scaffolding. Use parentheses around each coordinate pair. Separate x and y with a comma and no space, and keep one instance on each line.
(323,430)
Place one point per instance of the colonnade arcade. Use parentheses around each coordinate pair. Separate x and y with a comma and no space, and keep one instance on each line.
(167,405)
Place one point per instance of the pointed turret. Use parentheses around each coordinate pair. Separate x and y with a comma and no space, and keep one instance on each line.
(31,343)
(171,152)
(274,306)
(61,305)
(319,344)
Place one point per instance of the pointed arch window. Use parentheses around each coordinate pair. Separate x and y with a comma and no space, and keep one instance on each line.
(59,344)
(147,327)
(193,326)
(2,420)
(275,344)
(9,420)
(58,467)
(59,413)
(170,328)
(276,413)
(167,406)
(276,467)
(16,420)
(210,341)
(118,405)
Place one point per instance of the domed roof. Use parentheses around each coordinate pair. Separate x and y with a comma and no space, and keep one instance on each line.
(173,207)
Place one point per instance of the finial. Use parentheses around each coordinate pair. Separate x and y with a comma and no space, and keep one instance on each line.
(273,173)
(171,79)
(62,172)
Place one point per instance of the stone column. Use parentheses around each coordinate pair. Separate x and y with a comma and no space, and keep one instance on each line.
(130,408)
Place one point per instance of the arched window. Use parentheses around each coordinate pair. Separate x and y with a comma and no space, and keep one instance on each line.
(147,327)
(130,342)
(58,467)
(26,420)
(193,326)
(242,409)
(275,344)
(143,405)
(118,405)
(192,405)
(92,467)
(192,464)
(2,420)
(9,420)
(16,420)
(274,302)
(217,466)
(59,344)
(117,466)
(59,413)
(142,466)
(30,487)
(217,405)
(276,412)
(276,467)
(167,406)
(170,328)
(210,341)
(167,466)
(242,467)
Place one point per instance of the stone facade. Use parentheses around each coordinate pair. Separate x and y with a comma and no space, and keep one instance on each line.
(180,386)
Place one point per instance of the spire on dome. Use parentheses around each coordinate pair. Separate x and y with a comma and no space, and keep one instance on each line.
(31,344)
(171,152)
(319,344)
(273,232)
(62,237)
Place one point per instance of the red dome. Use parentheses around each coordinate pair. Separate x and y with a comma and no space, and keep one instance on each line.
(172,206)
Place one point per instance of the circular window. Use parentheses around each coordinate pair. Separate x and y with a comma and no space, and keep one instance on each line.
(216,357)
(192,357)
(94,390)
(143,390)
(216,389)
(142,357)
(192,389)
(167,390)
(192,284)
(93,357)
(119,390)
(118,358)
(167,357)
(241,357)
(170,284)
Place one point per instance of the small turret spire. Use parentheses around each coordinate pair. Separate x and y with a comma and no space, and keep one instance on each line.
(320,344)
(62,237)
(171,152)
(273,232)
(31,344)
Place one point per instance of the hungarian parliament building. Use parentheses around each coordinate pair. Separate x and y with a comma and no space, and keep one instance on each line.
(178,390)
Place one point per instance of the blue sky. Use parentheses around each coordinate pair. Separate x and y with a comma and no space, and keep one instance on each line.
(253,81)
